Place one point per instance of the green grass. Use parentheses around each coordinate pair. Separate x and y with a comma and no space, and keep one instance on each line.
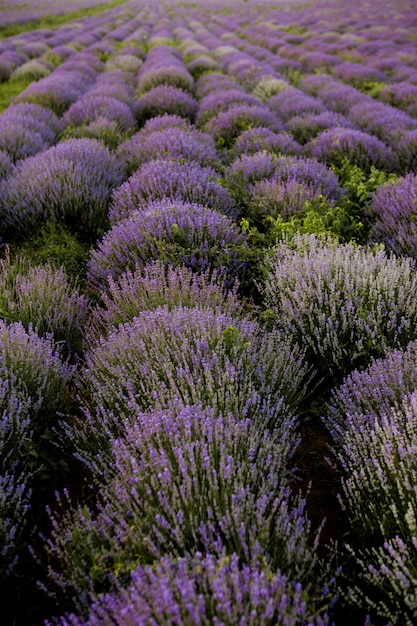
(53,21)
(10,89)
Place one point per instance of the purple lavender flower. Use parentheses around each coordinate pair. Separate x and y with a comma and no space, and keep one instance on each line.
(335,145)
(215,81)
(292,102)
(402,95)
(357,74)
(220,101)
(186,479)
(406,152)
(202,591)
(178,232)
(278,198)
(309,172)
(344,303)
(169,143)
(228,125)
(70,182)
(163,66)
(393,210)
(6,165)
(91,107)
(264,139)
(165,99)
(161,122)
(165,179)
(155,285)
(385,122)
(306,127)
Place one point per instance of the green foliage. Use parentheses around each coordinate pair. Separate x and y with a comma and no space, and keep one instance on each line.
(53,21)
(359,186)
(317,217)
(12,88)
(56,244)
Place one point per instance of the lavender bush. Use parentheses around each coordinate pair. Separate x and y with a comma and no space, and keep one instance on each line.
(167,99)
(202,590)
(155,285)
(392,212)
(168,180)
(177,233)
(70,183)
(170,143)
(187,480)
(344,303)
(44,298)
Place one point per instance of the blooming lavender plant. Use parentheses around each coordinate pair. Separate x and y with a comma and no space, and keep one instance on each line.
(70,183)
(377,457)
(176,232)
(44,298)
(264,139)
(91,107)
(220,101)
(306,127)
(155,285)
(228,125)
(165,179)
(392,210)
(202,590)
(169,143)
(168,99)
(335,145)
(292,102)
(185,480)
(344,303)
(163,66)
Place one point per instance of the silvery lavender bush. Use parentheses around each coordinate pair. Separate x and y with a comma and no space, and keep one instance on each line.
(268,87)
(392,212)
(187,480)
(155,285)
(127,63)
(177,233)
(168,143)
(202,590)
(165,99)
(334,145)
(70,183)
(169,180)
(32,70)
(43,297)
(343,303)
(377,456)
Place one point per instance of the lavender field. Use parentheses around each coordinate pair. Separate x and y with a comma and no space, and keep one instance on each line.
(208,313)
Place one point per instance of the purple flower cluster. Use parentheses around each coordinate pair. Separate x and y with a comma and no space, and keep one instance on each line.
(178,233)
(264,139)
(89,108)
(293,102)
(156,284)
(202,591)
(165,98)
(163,66)
(393,212)
(26,129)
(165,179)
(69,183)
(173,142)
(226,126)
(335,145)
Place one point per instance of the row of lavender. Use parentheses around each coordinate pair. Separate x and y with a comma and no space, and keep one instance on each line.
(177,377)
